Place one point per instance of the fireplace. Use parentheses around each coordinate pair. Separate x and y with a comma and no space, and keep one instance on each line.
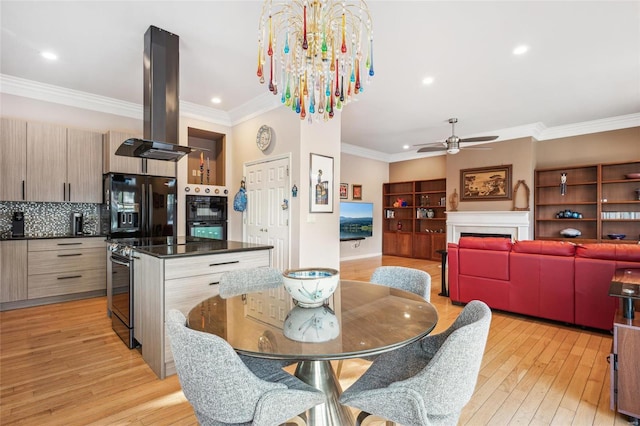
(510,224)
(484,235)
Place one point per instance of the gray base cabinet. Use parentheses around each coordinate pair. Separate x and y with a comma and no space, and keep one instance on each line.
(13,271)
(178,283)
(65,266)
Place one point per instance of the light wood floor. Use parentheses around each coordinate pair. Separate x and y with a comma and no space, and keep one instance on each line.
(63,365)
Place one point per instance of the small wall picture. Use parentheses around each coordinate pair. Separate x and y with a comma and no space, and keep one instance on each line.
(357,192)
(321,182)
(344,191)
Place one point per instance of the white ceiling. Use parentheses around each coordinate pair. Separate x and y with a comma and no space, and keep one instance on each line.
(583,63)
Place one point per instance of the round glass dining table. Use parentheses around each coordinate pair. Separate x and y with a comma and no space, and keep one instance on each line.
(362,319)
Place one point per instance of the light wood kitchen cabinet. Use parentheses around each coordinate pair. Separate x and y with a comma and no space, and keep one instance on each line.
(116,163)
(46,162)
(179,283)
(161,168)
(13,159)
(63,266)
(113,163)
(13,271)
(84,162)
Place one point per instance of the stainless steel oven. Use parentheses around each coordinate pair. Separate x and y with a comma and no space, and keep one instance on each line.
(122,296)
(206,216)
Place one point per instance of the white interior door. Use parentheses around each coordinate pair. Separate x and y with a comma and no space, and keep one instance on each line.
(267,214)
(267,222)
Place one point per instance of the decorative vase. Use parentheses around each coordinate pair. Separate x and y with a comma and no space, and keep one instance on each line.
(310,287)
(311,324)
(453,201)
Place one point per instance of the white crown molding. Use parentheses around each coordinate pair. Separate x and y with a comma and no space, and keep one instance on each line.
(266,102)
(206,114)
(363,152)
(594,126)
(255,107)
(49,93)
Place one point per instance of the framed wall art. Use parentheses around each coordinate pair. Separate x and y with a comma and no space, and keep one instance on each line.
(344,191)
(486,183)
(321,181)
(357,192)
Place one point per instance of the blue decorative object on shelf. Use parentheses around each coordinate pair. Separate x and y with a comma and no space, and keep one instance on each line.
(616,236)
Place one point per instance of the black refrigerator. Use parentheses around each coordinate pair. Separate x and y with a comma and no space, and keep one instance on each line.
(140,206)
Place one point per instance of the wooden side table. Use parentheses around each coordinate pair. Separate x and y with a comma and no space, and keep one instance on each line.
(625,359)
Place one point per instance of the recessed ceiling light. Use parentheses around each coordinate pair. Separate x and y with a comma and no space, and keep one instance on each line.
(427,81)
(405,146)
(49,55)
(216,100)
(520,50)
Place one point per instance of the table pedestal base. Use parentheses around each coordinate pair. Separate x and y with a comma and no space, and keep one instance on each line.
(320,375)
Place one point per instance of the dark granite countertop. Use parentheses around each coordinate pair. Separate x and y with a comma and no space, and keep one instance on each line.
(49,237)
(200,248)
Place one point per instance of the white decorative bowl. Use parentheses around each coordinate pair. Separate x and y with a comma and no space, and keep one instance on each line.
(570,233)
(311,325)
(310,287)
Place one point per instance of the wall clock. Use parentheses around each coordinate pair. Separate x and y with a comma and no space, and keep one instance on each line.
(263,138)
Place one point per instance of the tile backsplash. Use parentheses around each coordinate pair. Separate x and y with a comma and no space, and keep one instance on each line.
(49,219)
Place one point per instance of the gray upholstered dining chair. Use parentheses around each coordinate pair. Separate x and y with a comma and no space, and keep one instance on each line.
(409,279)
(242,281)
(400,277)
(225,391)
(430,381)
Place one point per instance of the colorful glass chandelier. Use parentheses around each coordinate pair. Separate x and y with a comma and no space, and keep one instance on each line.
(315,53)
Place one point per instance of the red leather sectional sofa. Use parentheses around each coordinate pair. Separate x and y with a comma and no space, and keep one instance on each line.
(555,280)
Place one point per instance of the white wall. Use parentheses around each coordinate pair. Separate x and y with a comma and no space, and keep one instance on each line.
(314,237)
(371,174)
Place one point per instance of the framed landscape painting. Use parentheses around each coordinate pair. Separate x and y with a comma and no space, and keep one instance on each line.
(486,183)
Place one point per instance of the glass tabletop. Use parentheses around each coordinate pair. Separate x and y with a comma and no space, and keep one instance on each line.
(365,319)
(625,283)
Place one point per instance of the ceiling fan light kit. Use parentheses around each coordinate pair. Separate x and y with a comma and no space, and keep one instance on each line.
(452,143)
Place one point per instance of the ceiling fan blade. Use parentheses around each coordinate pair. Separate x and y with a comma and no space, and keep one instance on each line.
(480,139)
(431,143)
(433,149)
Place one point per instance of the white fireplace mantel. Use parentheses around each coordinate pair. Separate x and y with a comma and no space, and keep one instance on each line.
(515,223)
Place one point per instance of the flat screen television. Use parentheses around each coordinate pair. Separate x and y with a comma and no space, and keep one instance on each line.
(356,220)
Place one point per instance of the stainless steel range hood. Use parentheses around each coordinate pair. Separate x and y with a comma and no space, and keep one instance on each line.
(161,100)
(152,150)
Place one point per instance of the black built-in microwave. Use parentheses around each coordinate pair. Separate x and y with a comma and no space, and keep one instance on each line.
(206,216)
(206,208)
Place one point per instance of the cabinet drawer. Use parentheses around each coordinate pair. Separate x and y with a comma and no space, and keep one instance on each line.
(213,264)
(184,294)
(56,284)
(67,243)
(61,261)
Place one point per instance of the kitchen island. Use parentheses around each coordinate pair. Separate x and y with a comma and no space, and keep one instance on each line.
(179,276)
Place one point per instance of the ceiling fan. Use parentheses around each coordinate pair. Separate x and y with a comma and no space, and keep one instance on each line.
(452,143)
